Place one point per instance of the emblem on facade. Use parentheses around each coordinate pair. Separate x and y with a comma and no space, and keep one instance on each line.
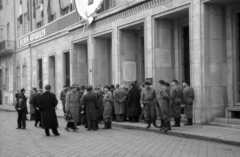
(87,9)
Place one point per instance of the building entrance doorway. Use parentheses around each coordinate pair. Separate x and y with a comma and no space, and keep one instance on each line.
(40,74)
(51,74)
(66,68)
(132,49)
(185,52)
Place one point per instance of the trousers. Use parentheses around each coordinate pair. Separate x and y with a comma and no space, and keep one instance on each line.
(176,107)
(54,130)
(188,111)
(21,119)
(150,111)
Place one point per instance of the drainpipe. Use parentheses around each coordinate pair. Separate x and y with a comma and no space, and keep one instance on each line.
(15,47)
(30,49)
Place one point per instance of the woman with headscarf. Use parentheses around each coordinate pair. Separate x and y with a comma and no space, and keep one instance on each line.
(73,104)
(89,101)
(107,107)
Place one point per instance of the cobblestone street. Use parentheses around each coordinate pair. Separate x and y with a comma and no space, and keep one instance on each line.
(117,142)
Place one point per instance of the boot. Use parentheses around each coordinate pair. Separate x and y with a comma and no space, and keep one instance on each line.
(89,125)
(168,127)
(177,122)
(109,125)
(154,124)
(105,125)
(162,124)
(189,122)
(149,124)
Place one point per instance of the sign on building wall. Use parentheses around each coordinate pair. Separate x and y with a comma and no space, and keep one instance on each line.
(53,27)
(129,71)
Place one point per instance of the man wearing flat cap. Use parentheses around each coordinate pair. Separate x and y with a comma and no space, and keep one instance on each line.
(163,99)
(188,98)
(73,104)
(48,102)
(148,98)
(176,98)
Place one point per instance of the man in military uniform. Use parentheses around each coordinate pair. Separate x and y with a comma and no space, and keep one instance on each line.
(176,98)
(188,97)
(148,97)
(164,103)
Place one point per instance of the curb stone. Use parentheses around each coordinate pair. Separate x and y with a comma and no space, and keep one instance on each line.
(172,133)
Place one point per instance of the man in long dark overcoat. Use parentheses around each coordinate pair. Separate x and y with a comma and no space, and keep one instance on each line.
(90,102)
(133,104)
(48,102)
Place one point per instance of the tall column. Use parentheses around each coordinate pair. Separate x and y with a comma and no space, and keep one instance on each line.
(197,62)
(148,52)
(90,60)
(115,56)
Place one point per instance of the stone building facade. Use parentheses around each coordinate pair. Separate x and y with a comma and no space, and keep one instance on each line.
(195,40)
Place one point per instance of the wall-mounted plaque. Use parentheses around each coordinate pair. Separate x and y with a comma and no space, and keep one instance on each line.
(149,80)
(129,71)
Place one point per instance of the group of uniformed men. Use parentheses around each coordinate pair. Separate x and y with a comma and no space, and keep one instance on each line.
(167,101)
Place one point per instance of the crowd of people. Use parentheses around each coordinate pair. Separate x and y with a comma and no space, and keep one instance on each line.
(88,106)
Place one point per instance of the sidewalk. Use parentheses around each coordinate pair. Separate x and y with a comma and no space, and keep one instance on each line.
(202,132)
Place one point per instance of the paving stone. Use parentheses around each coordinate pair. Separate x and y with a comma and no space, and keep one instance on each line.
(117,142)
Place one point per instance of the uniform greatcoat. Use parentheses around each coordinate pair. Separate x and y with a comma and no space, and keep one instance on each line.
(148,99)
(188,97)
(176,98)
(163,101)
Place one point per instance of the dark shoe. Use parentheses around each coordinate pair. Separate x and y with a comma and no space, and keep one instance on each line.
(177,122)
(57,134)
(149,124)
(24,127)
(35,124)
(105,125)
(47,134)
(168,127)
(18,128)
(154,124)
(109,125)
(189,122)
(67,129)
(162,124)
